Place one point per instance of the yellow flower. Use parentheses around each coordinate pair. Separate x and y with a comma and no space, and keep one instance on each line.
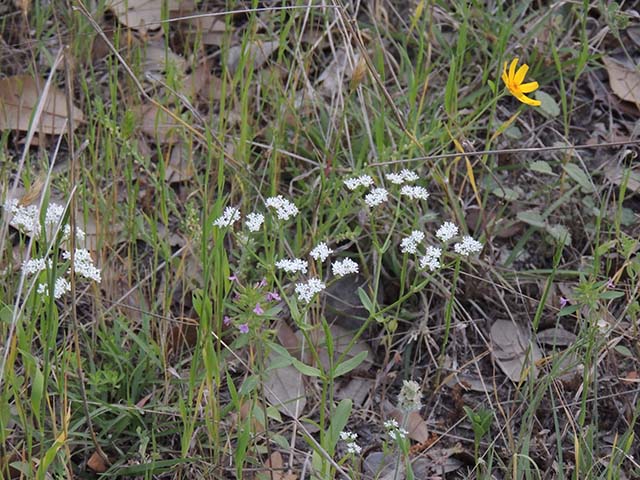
(513,80)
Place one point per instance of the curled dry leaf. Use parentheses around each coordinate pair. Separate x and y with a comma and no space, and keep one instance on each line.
(513,350)
(19,97)
(624,80)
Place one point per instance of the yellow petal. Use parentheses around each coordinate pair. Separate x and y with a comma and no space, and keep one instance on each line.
(528,101)
(512,68)
(528,87)
(505,78)
(522,71)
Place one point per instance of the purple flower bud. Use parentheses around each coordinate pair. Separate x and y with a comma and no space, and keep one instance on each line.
(243,328)
(258,310)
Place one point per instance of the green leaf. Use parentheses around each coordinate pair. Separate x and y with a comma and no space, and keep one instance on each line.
(559,233)
(339,420)
(350,364)
(307,370)
(364,299)
(568,310)
(548,104)
(624,351)
(506,193)
(513,132)
(541,166)
(611,294)
(532,217)
(492,85)
(578,175)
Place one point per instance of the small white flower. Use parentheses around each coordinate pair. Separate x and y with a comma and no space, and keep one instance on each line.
(83,264)
(34,265)
(395,178)
(391,424)
(419,193)
(60,287)
(344,267)
(229,217)
(409,176)
(410,243)
(54,214)
(306,291)
(402,177)
(447,231)
(284,208)
(467,246)
(410,397)
(397,434)
(354,448)
(292,265)
(321,251)
(431,258)
(361,181)
(376,196)
(348,436)
(254,221)
(26,219)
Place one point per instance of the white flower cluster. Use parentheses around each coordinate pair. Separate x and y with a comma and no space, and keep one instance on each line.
(376,196)
(350,439)
(361,181)
(344,267)
(60,287)
(402,177)
(306,291)
(229,217)
(27,219)
(410,243)
(321,252)
(467,246)
(447,231)
(292,265)
(35,265)
(431,258)
(410,397)
(415,193)
(254,221)
(83,264)
(284,208)
(394,430)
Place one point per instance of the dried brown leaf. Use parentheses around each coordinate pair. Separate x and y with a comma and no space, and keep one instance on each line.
(259,51)
(19,96)
(558,337)
(624,80)
(144,15)
(284,388)
(156,123)
(513,350)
